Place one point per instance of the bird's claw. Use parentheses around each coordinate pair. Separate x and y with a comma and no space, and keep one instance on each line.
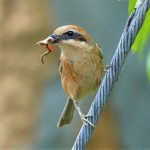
(82,116)
(86,121)
(87,116)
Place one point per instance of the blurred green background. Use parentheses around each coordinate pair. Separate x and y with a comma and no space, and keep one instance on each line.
(31,96)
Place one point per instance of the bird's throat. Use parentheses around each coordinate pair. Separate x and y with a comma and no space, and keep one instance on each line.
(73,53)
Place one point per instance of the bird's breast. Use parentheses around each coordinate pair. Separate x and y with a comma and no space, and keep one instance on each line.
(81,75)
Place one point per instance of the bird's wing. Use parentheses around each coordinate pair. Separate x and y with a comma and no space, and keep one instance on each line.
(100,51)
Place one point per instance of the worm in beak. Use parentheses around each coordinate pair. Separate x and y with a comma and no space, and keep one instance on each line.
(49,48)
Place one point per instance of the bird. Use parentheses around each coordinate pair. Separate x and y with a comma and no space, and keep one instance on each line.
(81,67)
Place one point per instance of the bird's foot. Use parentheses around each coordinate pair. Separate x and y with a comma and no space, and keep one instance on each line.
(86,121)
(83,117)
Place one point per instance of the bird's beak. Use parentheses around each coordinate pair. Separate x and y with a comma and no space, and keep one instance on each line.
(46,41)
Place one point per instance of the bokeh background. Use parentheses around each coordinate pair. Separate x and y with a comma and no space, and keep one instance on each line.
(31,96)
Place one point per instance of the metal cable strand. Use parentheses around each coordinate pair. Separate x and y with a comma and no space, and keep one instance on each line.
(129,34)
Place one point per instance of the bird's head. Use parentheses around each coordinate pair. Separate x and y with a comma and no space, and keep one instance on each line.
(69,37)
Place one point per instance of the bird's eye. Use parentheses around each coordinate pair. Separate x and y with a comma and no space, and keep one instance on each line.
(69,33)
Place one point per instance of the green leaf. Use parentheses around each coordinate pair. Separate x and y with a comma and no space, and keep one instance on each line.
(131,5)
(144,32)
(142,36)
(148,66)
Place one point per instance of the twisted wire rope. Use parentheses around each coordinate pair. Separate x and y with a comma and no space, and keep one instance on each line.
(129,34)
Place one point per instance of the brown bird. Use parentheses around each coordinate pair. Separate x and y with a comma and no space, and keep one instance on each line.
(81,67)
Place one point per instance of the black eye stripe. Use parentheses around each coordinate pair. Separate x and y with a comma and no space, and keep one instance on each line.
(68,35)
(73,35)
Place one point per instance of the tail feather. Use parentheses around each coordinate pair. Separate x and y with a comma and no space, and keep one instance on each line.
(67,114)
